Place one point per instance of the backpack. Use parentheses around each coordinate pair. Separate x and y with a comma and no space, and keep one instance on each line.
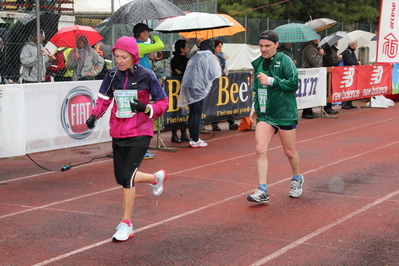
(59,67)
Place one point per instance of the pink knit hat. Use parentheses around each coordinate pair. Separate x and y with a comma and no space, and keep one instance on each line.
(129,45)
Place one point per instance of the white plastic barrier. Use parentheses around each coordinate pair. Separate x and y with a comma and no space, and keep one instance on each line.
(46,116)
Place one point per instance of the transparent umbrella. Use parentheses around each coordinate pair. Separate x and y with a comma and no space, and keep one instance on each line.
(362,37)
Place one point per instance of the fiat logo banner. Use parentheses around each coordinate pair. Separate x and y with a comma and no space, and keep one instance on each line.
(76,109)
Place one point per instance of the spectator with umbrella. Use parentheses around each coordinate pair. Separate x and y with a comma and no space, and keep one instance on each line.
(331,58)
(349,58)
(142,33)
(178,65)
(222,57)
(202,69)
(21,33)
(312,56)
(85,62)
(29,59)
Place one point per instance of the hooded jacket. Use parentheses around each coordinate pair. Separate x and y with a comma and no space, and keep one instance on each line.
(281,106)
(202,69)
(89,62)
(28,59)
(147,86)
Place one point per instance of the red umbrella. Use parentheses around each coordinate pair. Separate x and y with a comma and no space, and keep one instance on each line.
(66,37)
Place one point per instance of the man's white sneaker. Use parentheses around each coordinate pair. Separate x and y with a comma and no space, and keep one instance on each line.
(123,232)
(161,176)
(198,144)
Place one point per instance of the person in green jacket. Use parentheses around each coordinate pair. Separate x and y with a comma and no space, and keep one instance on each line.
(142,33)
(274,111)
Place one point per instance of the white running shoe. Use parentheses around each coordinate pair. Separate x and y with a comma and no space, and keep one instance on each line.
(198,144)
(296,187)
(161,176)
(259,196)
(123,232)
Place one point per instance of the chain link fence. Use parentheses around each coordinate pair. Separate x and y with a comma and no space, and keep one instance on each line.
(18,22)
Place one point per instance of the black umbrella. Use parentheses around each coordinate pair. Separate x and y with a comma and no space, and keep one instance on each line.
(19,34)
(105,29)
(140,10)
(24,28)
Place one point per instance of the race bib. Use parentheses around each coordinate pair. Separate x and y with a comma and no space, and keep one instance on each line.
(122,99)
(262,98)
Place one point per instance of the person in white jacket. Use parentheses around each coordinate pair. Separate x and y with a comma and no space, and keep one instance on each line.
(29,59)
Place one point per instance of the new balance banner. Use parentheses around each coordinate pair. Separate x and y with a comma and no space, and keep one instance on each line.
(357,82)
(229,97)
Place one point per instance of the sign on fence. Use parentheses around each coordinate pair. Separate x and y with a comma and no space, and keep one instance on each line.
(230,97)
(358,82)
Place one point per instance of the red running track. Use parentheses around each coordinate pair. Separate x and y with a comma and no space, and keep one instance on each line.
(348,213)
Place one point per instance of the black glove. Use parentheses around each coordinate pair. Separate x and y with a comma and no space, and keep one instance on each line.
(91,121)
(137,106)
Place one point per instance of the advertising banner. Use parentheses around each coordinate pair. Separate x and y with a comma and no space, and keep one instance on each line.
(229,97)
(312,87)
(388,32)
(358,82)
(56,116)
(12,121)
(395,79)
(46,116)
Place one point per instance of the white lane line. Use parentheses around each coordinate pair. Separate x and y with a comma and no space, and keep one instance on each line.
(63,256)
(110,189)
(323,229)
(275,254)
(190,169)
(57,202)
(232,136)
